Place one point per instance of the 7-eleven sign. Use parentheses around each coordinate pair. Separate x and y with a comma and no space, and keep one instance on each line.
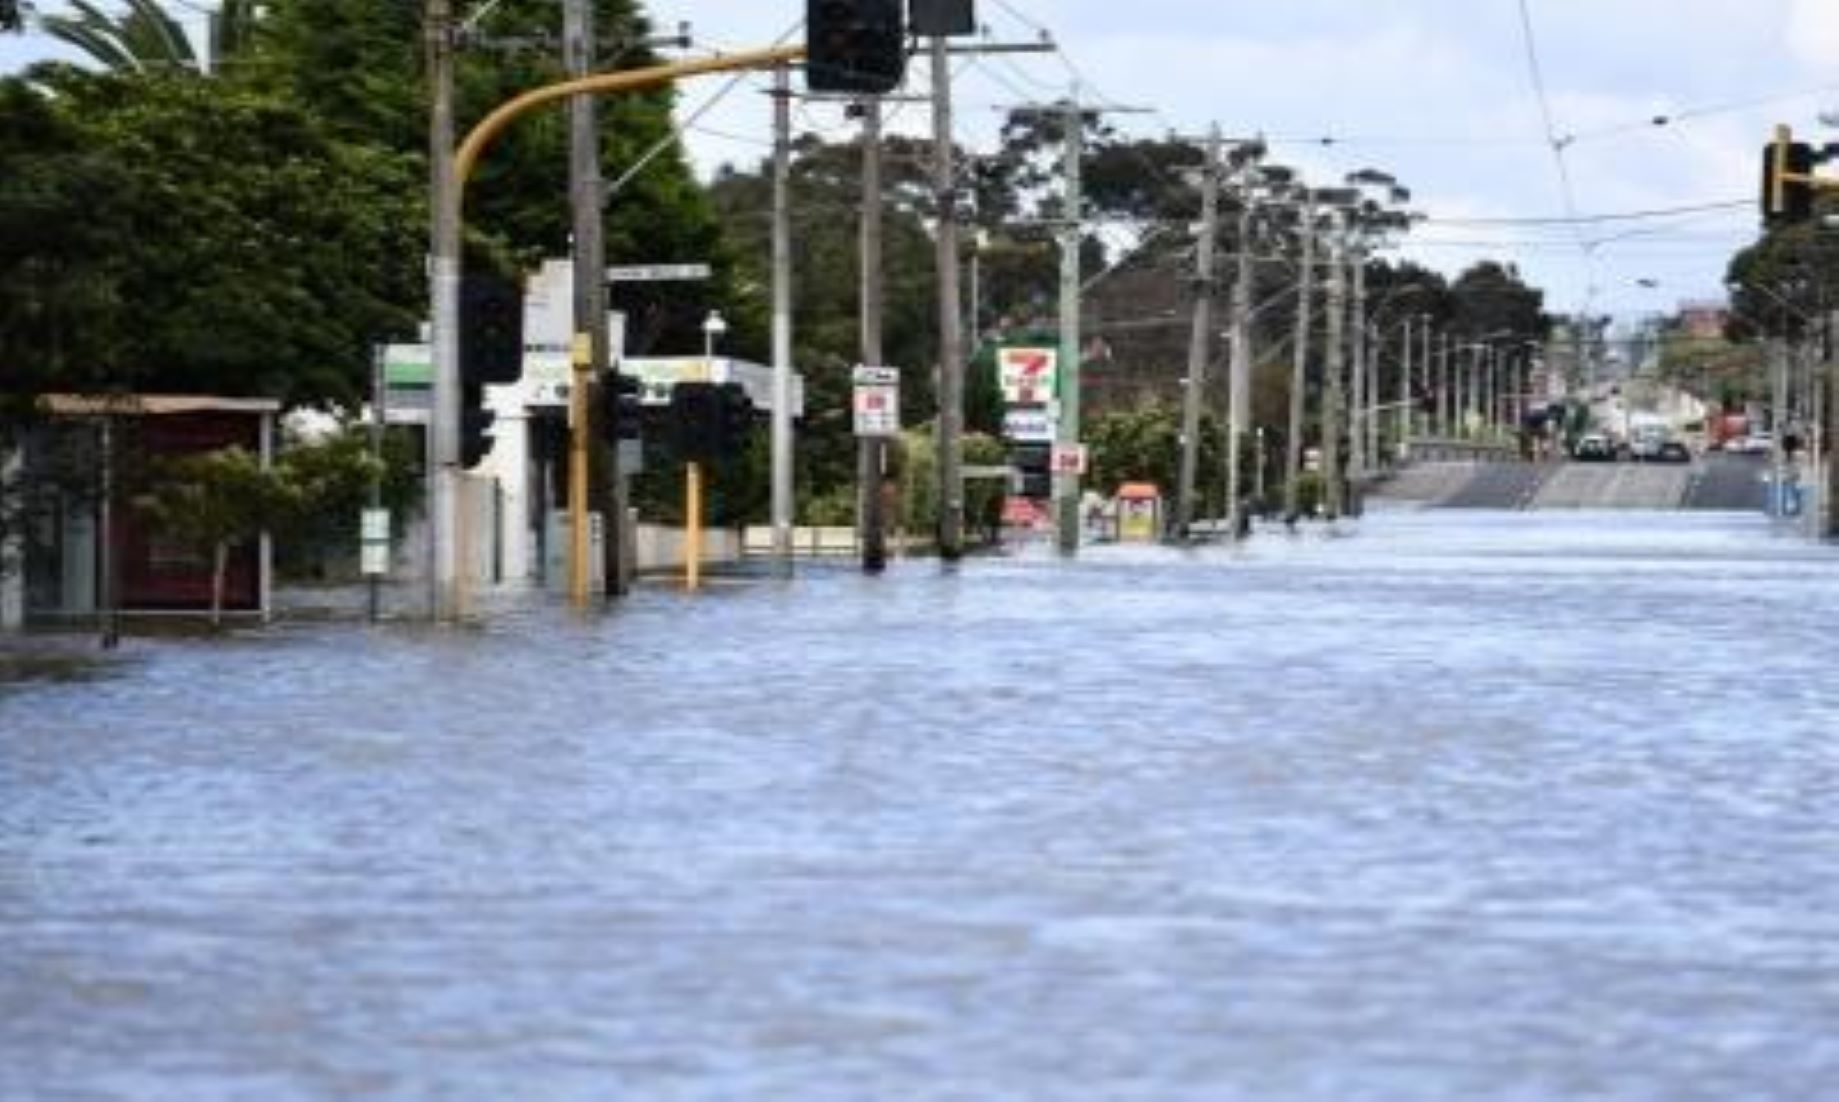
(1029,376)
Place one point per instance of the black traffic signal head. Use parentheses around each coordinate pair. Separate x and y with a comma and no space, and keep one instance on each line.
(621,409)
(855,45)
(1787,191)
(10,18)
(491,330)
(475,425)
(734,418)
(692,420)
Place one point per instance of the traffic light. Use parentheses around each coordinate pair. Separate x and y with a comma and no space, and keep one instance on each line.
(855,45)
(621,411)
(10,19)
(709,421)
(491,330)
(692,420)
(733,418)
(475,425)
(1787,186)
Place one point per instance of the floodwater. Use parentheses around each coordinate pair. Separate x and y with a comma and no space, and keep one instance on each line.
(1449,806)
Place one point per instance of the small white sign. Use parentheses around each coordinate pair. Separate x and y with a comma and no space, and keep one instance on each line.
(1068,459)
(877,410)
(875,376)
(374,526)
(1030,424)
(651,273)
(1028,376)
(374,542)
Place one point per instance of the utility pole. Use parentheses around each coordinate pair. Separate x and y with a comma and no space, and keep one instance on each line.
(1199,338)
(1357,422)
(869,449)
(590,313)
(1333,397)
(1778,405)
(1239,373)
(1403,420)
(1066,483)
(443,452)
(1444,385)
(1299,364)
(782,320)
(951,351)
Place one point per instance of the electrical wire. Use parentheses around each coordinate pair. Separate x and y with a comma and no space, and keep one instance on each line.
(1574,219)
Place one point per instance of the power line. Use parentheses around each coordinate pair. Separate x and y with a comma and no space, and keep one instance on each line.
(1574,219)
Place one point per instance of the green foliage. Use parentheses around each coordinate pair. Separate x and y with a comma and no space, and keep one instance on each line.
(917,482)
(328,485)
(1144,445)
(213,501)
(262,258)
(142,38)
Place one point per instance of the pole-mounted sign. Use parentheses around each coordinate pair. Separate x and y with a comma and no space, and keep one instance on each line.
(1029,376)
(877,401)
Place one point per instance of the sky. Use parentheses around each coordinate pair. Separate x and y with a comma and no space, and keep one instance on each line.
(1445,95)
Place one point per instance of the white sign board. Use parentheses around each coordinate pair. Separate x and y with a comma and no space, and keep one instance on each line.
(877,410)
(1028,376)
(374,542)
(875,376)
(658,374)
(1068,459)
(1029,424)
(651,273)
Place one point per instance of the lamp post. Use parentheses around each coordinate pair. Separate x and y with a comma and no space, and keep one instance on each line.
(714,327)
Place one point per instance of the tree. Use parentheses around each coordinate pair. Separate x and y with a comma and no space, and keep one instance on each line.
(141,39)
(267,256)
(1490,299)
(214,501)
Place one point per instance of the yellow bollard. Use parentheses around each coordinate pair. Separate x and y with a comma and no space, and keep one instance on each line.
(692,525)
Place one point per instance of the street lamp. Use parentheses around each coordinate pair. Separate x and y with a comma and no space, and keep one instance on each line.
(714,327)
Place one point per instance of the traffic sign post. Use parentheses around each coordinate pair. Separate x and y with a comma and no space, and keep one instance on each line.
(1068,459)
(876,402)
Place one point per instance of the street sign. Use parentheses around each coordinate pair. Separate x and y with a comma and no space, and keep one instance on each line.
(1029,376)
(374,542)
(655,273)
(1068,459)
(876,401)
(408,365)
(1030,424)
(876,376)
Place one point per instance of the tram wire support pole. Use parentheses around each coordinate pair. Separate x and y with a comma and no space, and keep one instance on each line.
(443,441)
(950,427)
(1199,338)
(871,450)
(589,361)
(1299,364)
(781,427)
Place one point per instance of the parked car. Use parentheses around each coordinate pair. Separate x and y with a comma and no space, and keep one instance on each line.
(1756,443)
(1673,452)
(1594,448)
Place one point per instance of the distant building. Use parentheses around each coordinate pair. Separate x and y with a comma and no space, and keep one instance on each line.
(1703,320)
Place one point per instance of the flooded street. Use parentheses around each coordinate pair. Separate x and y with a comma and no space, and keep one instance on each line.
(1455,806)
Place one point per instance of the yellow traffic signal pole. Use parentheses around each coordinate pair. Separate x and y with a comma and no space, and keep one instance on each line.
(449,203)
(692,525)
